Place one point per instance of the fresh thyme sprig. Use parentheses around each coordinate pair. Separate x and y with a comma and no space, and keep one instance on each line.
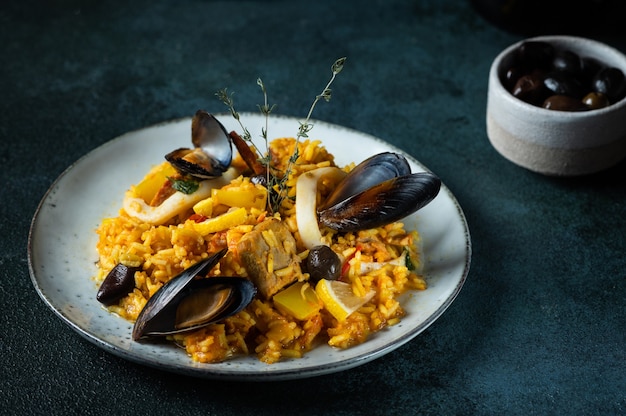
(277,183)
(326,94)
(306,126)
(266,110)
(228,101)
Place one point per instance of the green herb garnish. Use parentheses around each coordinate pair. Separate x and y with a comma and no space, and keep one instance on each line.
(186,186)
(407,260)
(277,181)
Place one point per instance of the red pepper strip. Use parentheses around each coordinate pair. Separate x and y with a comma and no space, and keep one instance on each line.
(198,218)
(346,264)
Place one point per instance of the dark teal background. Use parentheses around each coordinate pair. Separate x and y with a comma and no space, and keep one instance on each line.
(538,329)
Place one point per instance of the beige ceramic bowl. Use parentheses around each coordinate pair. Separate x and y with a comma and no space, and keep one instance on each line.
(557,143)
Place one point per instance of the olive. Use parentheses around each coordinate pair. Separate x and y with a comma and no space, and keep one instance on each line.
(552,77)
(259,180)
(536,54)
(610,81)
(589,68)
(595,100)
(118,283)
(531,89)
(562,83)
(564,103)
(322,263)
(511,76)
(567,61)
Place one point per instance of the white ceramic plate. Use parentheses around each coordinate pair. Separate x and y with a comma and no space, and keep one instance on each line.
(62,255)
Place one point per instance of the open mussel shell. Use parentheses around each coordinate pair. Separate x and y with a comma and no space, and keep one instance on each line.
(186,303)
(212,152)
(370,172)
(381,204)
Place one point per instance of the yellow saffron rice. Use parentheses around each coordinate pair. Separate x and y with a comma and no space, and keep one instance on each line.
(163,251)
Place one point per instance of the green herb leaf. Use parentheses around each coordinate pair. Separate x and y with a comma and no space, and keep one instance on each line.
(338,65)
(186,186)
(407,259)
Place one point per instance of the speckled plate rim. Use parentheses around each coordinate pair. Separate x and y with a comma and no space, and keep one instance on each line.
(62,256)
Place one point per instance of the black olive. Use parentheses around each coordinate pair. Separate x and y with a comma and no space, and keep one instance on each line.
(564,103)
(119,282)
(531,89)
(595,100)
(259,180)
(511,76)
(611,82)
(549,76)
(589,68)
(322,263)
(561,83)
(536,54)
(567,61)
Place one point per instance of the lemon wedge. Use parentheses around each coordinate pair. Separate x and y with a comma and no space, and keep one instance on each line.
(339,299)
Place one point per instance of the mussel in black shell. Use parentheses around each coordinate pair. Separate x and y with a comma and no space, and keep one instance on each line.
(187,302)
(378,191)
(212,152)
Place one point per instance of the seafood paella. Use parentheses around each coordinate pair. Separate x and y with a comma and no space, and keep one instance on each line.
(226,250)
(198,255)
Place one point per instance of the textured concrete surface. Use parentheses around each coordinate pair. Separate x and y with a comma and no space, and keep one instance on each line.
(539,327)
